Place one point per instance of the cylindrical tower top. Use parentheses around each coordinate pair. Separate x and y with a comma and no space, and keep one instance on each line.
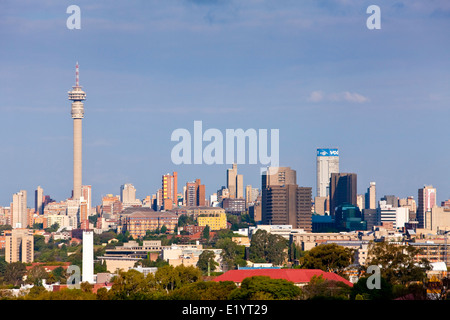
(77,95)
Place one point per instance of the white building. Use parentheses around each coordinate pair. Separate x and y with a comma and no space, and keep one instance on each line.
(397,215)
(88,257)
(327,163)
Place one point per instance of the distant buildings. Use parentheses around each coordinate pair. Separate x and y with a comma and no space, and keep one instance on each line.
(235,183)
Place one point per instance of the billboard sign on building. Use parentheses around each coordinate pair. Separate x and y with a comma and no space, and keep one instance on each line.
(327,152)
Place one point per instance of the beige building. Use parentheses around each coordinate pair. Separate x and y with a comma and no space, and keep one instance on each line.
(309,240)
(137,221)
(235,183)
(321,205)
(128,196)
(188,255)
(19,246)
(437,219)
(371,196)
(19,210)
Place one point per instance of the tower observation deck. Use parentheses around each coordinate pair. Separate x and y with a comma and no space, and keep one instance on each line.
(77,95)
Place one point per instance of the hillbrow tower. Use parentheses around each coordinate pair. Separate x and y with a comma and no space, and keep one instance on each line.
(77,96)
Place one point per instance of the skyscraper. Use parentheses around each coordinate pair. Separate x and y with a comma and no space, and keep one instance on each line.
(278,176)
(77,96)
(38,200)
(195,194)
(342,190)
(86,193)
(19,210)
(235,183)
(283,201)
(169,190)
(426,201)
(327,163)
(371,197)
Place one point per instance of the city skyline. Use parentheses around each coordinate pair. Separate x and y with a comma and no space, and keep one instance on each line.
(311,70)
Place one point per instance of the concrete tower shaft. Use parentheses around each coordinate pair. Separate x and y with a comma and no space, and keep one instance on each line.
(77,96)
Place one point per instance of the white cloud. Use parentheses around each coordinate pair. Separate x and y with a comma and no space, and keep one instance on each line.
(317,96)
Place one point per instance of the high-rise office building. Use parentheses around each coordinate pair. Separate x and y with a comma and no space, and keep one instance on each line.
(371,196)
(19,210)
(283,201)
(278,176)
(426,201)
(128,196)
(327,163)
(195,194)
(169,190)
(77,96)
(342,190)
(38,200)
(235,183)
(86,193)
(127,193)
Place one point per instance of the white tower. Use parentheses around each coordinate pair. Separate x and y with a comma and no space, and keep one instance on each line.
(327,163)
(88,257)
(77,96)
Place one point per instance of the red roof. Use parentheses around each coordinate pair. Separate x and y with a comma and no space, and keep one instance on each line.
(297,276)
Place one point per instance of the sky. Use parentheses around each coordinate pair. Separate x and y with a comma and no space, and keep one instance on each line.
(311,69)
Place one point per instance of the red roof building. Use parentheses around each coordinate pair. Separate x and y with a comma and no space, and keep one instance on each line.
(299,277)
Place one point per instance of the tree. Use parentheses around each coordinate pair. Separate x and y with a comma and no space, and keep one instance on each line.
(205,233)
(362,289)
(263,287)
(232,254)
(267,247)
(204,290)
(327,257)
(133,285)
(14,273)
(398,263)
(206,261)
(319,288)
(36,274)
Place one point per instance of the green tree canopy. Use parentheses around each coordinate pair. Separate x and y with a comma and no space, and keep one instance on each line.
(14,273)
(232,254)
(206,261)
(263,287)
(327,257)
(268,247)
(204,290)
(398,263)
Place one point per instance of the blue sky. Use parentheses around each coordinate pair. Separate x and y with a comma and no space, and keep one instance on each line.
(309,68)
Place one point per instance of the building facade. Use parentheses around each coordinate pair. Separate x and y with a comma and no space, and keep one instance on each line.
(343,187)
(19,246)
(327,163)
